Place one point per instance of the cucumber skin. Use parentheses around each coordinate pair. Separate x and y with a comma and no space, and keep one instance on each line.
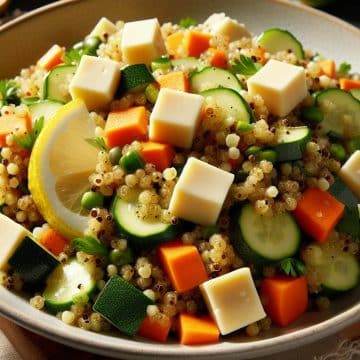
(134,83)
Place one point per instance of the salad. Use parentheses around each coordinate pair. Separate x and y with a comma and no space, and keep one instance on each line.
(180,180)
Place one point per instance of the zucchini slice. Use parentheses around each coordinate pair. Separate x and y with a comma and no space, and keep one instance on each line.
(275,40)
(65,282)
(341,113)
(57,81)
(45,108)
(135,78)
(355,93)
(213,77)
(291,142)
(141,233)
(259,239)
(231,104)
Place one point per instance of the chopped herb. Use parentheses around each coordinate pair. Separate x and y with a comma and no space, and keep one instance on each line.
(292,267)
(344,68)
(8,90)
(246,66)
(98,142)
(90,246)
(187,22)
(28,141)
(73,56)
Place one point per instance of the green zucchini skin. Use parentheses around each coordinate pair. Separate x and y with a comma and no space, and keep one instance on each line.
(135,78)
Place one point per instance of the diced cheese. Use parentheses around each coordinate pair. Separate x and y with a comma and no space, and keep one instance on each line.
(350,172)
(232,300)
(12,234)
(220,24)
(175,117)
(95,81)
(281,85)
(200,192)
(142,41)
(103,29)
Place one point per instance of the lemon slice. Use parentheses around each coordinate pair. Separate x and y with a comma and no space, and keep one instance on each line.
(60,164)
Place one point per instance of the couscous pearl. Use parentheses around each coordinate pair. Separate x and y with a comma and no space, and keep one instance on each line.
(323,184)
(68,317)
(152,310)
(232,140)
(150,294)
(252,329)
(272,191)
(112,270)
(234,153)
(13,183)
(169,174)
(37,302)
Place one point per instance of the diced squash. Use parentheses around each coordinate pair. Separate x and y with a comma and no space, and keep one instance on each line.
(217,58)
(155,329)
(183,265)
(176,80)
(260,54)
(318,212)
(196,331)
(328,68)
(161,155)
(196,43)
(284,298)
(348,84)
(13,124)
(124,126)
(53,57)
(174,42)
(53,241)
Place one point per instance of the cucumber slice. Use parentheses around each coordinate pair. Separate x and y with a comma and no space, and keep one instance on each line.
(341,113)
(141,233)
(291,142)
(355,93)
(187,64)
(135,78)
(45,108)
(57,81)
(275,40)
(65,282)
(233,108)
(259,239)
(212,77)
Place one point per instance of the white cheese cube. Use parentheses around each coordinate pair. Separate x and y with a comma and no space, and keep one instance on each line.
(12,234)
(200,192)
(103,29)
(232,300)
(142,41)
(281,85)
(350,172)
(175,117)
(95,81)
(220,24)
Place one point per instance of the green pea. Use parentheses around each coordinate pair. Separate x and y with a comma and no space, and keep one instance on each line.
(338,152)
(132,161)
(269,155)
(91,43)
(313,115)
(115,155)
(252,150)
(92,199)
(121,257)
(243,127)
(151,93)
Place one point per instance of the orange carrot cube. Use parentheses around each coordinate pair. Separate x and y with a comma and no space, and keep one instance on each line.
(13,124)
(318,212)
(155,329)
(124,126)
(196,331)
(53,57)
(176,80)
(348,84)
(161,155)
(196,43)
(217,58)
(183,265)
(53,241)
(284,298)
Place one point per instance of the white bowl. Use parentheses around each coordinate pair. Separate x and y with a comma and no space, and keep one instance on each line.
(25,39)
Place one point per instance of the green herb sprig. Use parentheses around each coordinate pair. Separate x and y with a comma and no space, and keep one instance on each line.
(292,267)
(344,68)
(187,22)
(8,90)
(27,142)
(90,245)
(98,142)
(246,66)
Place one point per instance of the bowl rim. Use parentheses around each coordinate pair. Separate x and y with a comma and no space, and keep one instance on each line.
(106,345)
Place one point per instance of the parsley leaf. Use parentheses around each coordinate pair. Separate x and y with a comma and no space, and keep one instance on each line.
(90,246)
(292,267)
(98,142)
(8,90)
(187,22)
(344,68)
(246,66)
(28,141)
(73,56)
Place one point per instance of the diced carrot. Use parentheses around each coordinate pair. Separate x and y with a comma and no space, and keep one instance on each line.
(53,241)
(13,124)
(183,265)
(161,155)
(327,67)
(124,126)
(284,298)
(217,58)
(260,54)
(318,212)
(347,84)
(155,329)
(196,42)
(196,331)
(173,43)
(176,80)
(53,57)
